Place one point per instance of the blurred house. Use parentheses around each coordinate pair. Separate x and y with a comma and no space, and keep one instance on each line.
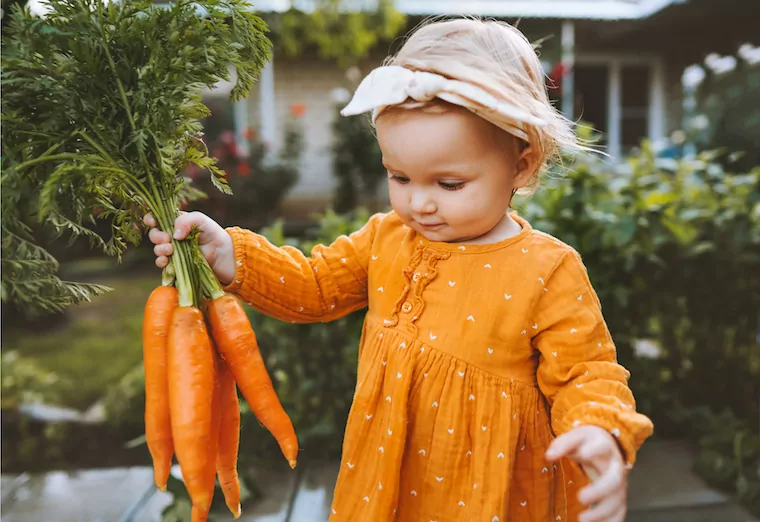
(616,64)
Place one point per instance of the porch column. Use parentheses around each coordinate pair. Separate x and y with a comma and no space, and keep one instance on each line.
(267,111)
(657,95)
(240,117)
(614,110)
(568,64)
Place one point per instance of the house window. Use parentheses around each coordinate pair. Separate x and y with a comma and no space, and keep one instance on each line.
(591,96)
(635,81)
(612,95)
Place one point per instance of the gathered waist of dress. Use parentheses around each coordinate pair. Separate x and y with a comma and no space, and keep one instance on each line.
(497,363)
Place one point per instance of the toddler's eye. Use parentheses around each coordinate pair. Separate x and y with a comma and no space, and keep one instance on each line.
(400,179)
(451,185)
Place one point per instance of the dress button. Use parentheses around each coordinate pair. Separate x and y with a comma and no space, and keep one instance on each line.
(406,307)
(416,277)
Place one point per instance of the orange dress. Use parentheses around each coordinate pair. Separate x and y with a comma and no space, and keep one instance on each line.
(472,358)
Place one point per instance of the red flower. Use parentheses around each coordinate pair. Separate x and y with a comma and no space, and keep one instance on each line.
(297,110)
(557,74)
(243,169)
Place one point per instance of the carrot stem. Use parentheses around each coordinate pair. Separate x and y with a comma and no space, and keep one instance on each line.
(183,256)
(167,274)
(210,282)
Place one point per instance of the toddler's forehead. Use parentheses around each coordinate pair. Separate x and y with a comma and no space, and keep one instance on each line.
(421,139)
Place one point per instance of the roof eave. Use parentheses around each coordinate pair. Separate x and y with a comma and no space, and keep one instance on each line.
(561,9)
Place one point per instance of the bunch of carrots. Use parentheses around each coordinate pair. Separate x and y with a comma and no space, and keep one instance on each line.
(101,117)
(195,359)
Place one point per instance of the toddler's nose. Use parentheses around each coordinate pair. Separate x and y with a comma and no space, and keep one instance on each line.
(422,203)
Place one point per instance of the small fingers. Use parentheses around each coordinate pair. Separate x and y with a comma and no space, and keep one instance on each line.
(164,249)
(162,261)
(149,220)
(593,449)
(611,509)
(565,445)
(185,222)
(611,482)
(157,237)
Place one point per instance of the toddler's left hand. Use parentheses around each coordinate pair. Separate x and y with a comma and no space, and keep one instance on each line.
(596,450)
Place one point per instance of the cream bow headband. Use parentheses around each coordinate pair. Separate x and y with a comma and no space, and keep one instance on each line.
(392,85)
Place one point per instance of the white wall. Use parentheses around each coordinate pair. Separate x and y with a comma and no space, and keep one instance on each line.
(311,84)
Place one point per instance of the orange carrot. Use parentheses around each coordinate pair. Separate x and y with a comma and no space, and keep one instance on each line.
(209,475)
(198,515)
(191,390)
(229,440)
(237,345)
(158,429)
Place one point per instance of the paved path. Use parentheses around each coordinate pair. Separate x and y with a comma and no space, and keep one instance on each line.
(663,488)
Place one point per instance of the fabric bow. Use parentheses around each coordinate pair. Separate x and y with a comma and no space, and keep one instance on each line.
(392,85)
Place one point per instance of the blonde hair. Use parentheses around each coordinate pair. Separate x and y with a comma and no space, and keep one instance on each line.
(498,58)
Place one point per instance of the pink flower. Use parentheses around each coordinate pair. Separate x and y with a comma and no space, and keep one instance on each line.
(227,137)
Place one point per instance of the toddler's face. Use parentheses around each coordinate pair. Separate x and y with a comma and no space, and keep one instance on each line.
(450,177)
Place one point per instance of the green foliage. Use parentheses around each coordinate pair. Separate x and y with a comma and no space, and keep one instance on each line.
(24,381)
(357,161)
(100,113)
(30,280)
(730,455)
(337,30)
(93,349)
(731,103)
(259,180)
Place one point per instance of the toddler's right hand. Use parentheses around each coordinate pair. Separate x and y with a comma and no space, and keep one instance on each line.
(215,243)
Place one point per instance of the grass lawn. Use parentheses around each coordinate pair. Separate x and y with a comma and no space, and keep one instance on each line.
(97,346)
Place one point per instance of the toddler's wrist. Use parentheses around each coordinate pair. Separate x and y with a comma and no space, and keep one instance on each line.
(224,263)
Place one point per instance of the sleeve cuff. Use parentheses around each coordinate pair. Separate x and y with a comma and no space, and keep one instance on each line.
(629,429)
(239,240)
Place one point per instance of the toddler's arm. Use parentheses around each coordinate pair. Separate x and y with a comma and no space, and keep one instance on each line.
(578,370)
(286,284)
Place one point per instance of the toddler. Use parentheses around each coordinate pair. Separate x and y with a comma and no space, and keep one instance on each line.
(487,378)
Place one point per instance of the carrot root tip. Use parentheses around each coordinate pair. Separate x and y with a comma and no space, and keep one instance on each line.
(161,487)
(236,514)
(292,464)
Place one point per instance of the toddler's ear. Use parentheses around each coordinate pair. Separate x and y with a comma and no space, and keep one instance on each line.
(526,166)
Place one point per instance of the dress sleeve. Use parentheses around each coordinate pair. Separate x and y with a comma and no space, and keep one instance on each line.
(284,283)
(578,371)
